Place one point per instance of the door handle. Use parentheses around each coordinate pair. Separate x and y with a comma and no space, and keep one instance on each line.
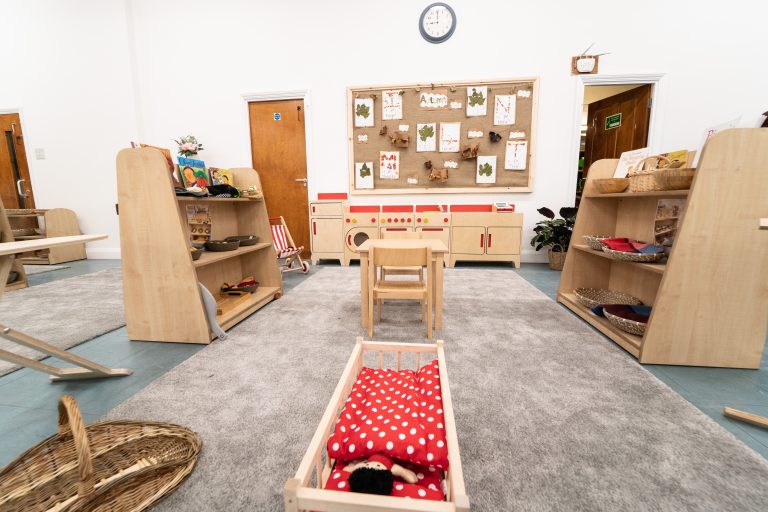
(302,180)
(489,239)
(482,237)
(18,187)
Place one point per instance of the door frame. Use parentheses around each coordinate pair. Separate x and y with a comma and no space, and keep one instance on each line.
(20,112)
(657,82)
(287,94)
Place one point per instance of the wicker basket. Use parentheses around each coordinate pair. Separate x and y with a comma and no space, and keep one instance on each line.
(593,297)
(611,185)
(593,241)
(557,259)
(638,257)
(655,180)
(107,466)
(630,326)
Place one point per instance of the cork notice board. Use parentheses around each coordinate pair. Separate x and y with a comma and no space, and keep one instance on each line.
(505,107)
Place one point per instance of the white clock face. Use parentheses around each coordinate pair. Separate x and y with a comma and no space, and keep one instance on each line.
(437,21)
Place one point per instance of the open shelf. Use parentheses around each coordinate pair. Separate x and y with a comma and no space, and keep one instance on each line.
(660,193)
(209,257)
(257,299)
(193,199)
(629,342)
(652,267)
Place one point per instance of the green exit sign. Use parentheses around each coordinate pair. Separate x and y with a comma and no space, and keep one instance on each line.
(613,121)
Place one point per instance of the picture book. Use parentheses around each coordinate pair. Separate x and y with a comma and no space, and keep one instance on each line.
(193,172)
(175,177)
(221,176)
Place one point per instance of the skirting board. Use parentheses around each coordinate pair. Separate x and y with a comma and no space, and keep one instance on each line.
(103,253)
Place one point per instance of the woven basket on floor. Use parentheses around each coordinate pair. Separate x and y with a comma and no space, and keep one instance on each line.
(557,259)
(593,241)
(638,257)
(593,297)
(630,326)
(107,466)
(655,180)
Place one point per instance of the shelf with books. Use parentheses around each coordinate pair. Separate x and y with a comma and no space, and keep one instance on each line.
(708,300)
(162,298)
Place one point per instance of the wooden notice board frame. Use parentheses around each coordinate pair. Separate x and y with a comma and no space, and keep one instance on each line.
(461,180)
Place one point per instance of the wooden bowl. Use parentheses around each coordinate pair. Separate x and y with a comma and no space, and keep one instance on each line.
(222,245)
(243,239)
(611,185)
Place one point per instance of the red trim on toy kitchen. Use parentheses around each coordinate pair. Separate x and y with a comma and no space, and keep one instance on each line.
(364,209)
(433,229)
(471,208)
(325,196)
(397,208)
(433,208)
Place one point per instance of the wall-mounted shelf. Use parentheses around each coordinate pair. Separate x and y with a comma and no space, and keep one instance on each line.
(160,279)
(709,299)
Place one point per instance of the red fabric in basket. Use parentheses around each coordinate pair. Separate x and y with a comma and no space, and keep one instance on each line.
(427,488)
(399,413)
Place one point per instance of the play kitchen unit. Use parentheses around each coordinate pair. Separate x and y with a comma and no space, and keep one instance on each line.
(471,232)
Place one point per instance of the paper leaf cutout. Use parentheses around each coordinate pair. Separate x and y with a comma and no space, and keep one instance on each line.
(485,169)
(426,132)
(476,98)
(362,110)
(365,171)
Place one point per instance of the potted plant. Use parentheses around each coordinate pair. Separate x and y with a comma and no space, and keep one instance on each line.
(555,234)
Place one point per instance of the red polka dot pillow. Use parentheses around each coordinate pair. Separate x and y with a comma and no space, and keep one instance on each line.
(399,413)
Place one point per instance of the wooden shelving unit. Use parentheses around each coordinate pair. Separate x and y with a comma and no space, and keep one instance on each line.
(710,297)
(35,224)
(160,279)
(6,235)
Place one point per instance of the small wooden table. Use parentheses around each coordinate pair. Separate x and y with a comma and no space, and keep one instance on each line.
(86,369)
(439,251)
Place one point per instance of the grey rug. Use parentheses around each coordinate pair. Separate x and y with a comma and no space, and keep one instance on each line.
(40,269)
(550,415)
(64,313)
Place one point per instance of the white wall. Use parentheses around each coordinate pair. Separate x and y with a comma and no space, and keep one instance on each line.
(195,58)
(64,65)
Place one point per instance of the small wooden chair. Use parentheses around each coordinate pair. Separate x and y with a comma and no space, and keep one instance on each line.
(401,271)
(380,290)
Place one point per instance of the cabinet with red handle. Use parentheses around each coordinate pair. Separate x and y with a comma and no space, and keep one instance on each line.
(326,223)
(485,236)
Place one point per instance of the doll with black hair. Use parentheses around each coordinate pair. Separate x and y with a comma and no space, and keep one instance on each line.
(375,475)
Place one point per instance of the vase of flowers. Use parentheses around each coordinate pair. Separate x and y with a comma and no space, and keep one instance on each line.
(188,146)
(554,234)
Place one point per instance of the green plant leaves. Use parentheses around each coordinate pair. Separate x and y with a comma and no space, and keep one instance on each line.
(554,232)
(485,170)
(476,98)
(365,171)
(426,132)
(362,110)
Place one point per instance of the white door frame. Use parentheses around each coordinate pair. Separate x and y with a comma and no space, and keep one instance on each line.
(654,125)
(290,94)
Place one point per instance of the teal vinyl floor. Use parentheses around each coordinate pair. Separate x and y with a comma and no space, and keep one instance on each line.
(28,400)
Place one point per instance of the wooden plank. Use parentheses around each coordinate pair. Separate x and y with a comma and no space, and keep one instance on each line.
(632,195)
(651,267)
(210,257)
(747,417)
(251,300)
(45,243)
(63,222)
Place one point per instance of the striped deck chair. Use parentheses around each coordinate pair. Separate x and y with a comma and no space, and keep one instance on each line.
(285,247)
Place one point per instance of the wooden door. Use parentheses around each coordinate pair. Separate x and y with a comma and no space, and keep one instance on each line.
(503,240)
(634,106)
(15,185)
(278,150)
(468,240)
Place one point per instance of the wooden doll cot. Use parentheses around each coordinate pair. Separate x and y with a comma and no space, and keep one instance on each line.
(305,491)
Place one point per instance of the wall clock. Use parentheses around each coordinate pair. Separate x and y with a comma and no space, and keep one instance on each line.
(437,22)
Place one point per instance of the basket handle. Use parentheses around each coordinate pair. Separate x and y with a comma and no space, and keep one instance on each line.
(557,245)
(70,420)
(660,161)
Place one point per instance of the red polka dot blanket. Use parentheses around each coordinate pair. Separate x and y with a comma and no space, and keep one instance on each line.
(399,413)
